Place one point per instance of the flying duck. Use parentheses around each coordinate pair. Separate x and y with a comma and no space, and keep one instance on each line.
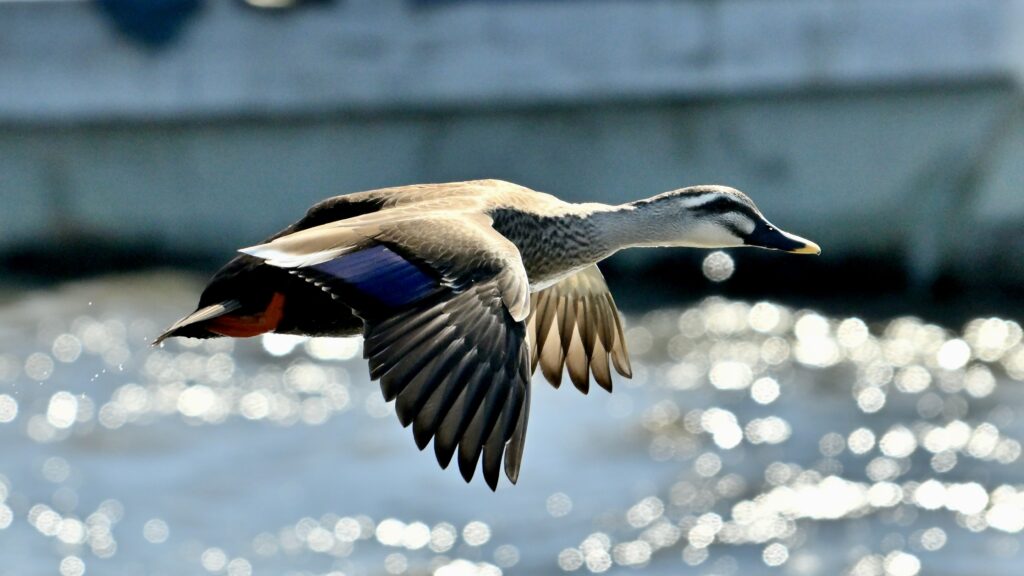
(461,290)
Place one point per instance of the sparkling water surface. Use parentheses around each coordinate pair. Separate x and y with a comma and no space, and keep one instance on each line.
(753,439)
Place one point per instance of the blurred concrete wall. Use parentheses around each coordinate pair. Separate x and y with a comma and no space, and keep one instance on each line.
(873,126)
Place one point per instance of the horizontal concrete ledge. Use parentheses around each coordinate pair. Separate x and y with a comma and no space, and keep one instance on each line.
(63,61)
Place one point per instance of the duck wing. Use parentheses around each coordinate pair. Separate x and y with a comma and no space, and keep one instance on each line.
(575,324)
(443,299)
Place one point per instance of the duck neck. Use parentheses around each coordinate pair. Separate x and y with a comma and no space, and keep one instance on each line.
(551,244)
(637,225)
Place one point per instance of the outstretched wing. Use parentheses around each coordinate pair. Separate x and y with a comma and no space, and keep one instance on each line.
(575,324)
(443,301)
(457,366)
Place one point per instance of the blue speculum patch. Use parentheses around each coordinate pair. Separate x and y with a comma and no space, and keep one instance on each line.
(382,274)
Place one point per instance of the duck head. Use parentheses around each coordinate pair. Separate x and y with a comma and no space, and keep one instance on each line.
(715,217)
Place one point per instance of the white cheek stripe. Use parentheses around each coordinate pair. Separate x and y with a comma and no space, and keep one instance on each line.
(709,235)
(741,221)
(700,200)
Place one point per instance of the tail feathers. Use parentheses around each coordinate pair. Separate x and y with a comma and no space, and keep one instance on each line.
(201,315)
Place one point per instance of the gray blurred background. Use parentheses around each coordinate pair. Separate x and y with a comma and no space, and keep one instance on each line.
(175,131)
(857,413)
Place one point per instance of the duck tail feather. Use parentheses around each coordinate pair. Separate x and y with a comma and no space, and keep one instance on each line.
(200,315)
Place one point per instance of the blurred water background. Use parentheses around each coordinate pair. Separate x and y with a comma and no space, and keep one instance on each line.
(857,413)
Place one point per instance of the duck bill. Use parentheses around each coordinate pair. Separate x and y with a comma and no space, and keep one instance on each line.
(768,236)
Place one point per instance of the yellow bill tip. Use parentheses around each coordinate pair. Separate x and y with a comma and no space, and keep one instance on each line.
(808,248)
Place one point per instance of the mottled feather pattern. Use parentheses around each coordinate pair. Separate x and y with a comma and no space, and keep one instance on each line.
(550,245)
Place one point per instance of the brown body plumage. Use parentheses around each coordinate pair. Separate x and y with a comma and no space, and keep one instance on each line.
(461,290)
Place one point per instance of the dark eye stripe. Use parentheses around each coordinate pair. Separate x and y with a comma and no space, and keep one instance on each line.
(723,205)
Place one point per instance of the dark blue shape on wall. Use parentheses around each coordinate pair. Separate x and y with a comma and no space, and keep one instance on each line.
(152,23)
(441,2)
